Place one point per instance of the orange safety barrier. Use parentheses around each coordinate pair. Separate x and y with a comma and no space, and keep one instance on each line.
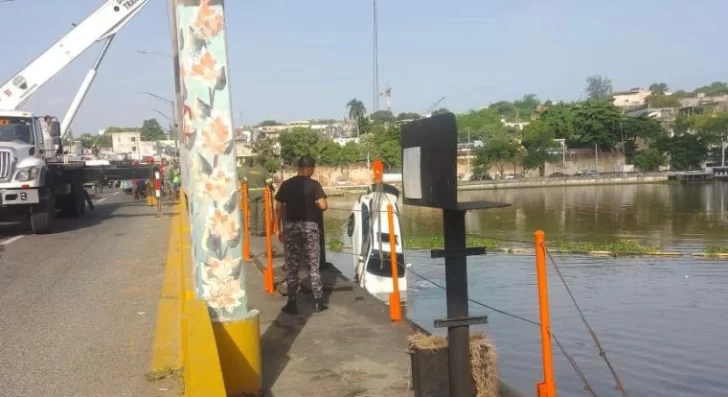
(547,388)
(274,224)
(378,169)
(268,275)
(245,210)
(395,301)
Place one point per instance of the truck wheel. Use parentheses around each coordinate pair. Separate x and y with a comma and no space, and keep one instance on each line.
(77,201)
(42,222)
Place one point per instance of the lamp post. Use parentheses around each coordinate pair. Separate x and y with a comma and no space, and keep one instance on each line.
(175,126)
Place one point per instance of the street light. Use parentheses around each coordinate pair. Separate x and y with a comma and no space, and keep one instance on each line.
(175,126)
(153,53)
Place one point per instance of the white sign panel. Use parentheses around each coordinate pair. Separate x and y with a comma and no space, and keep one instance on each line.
(411,173)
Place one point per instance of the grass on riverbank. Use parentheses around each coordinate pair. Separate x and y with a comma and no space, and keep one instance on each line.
(433,242)
(618,246)
(716,250)
(614,247)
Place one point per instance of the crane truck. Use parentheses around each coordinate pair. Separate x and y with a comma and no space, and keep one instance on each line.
(36,178)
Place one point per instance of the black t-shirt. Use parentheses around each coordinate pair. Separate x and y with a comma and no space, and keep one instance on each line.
(300,194)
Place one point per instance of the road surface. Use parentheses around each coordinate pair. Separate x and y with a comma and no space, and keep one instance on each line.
(78,308)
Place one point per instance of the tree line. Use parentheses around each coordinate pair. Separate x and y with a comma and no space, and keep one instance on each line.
(592,123)
(150,130)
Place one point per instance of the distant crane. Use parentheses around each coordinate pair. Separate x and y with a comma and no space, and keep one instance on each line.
(387,93)
(429,111)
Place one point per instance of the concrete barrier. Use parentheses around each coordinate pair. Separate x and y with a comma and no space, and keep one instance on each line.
(184,340)
(561,181)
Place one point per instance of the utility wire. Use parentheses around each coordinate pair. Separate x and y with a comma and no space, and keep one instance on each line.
(602,353)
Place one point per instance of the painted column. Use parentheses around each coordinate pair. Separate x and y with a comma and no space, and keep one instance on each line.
(212,191)
(212,187)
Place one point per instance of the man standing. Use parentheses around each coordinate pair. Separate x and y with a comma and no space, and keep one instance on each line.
(299,201)
(258,181)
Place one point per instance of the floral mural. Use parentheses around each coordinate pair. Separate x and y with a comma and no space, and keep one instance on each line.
(210,152)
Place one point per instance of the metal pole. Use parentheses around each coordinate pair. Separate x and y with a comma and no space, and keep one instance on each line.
(456,283)
(85,86)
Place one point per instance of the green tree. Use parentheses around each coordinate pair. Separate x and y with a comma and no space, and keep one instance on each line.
(265,150)
(357,111)
(268,123)
(539,145)
(560,118)
(650,159)
(505,109)
(663,101)
(408,116)
(384,142)
(328,152)
(479,125)
(299,142)
(497,152)
(152,131)
(351,153)
(113,129)
(715,88)
(658,88)
(597,123)
(382,116)
(598,87)
(526,106)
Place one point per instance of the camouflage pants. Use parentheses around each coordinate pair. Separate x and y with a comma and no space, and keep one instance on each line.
(302,248)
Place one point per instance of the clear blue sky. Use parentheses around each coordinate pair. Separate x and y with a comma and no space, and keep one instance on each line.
(305,59)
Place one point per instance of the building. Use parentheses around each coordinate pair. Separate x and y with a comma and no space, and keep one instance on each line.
(127,142)
(632,98)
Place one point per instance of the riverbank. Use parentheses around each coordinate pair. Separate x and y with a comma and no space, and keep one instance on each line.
(339,190)
(614,248)
(563,181)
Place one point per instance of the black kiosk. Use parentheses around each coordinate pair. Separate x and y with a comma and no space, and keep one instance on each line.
(429,176)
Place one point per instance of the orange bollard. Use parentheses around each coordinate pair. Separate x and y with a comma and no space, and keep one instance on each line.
(268,275)
(246,220)
(395,301)
(547,388)
(274,226)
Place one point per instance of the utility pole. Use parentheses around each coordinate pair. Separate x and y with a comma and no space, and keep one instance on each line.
(375,93)
(177,105)
(241,370)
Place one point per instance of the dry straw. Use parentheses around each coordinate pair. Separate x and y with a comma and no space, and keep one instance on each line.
(483,359)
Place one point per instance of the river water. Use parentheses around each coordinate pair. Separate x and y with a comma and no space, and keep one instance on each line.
(662,321)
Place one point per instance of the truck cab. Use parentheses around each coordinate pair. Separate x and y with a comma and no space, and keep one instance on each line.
(34,182)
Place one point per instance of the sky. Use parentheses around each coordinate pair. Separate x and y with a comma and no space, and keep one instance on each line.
(293,60)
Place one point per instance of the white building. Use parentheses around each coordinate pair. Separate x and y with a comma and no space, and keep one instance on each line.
(127,142)
(632,98)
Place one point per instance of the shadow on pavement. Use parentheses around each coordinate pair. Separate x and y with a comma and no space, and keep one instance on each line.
(281,334)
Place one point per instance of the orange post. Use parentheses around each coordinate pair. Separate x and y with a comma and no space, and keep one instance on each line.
(268,275)
(274,227)
(395,301)
(244,204)
(378,169)
(547,388)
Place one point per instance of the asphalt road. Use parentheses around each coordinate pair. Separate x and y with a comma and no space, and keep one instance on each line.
(78,308)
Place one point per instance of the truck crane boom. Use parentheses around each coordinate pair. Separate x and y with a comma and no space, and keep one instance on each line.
(103,24)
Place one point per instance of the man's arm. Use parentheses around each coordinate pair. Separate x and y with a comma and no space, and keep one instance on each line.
(280,214)
(280,208)
(320,196)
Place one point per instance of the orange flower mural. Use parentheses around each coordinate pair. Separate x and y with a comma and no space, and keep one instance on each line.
(209,22)
(205,68)
(216,137)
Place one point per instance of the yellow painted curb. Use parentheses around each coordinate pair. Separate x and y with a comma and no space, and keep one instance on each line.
(202,373)
(238,344)
(167,338)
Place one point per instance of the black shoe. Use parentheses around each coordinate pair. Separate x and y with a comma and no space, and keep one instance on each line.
(290,307)
(320,306)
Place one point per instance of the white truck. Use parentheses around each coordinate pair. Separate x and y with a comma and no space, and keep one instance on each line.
(36,178)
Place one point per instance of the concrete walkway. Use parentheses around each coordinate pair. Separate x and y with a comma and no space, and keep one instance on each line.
(79,307)
(352,349)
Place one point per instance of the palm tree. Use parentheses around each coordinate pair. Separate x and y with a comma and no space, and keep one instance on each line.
(357,111)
